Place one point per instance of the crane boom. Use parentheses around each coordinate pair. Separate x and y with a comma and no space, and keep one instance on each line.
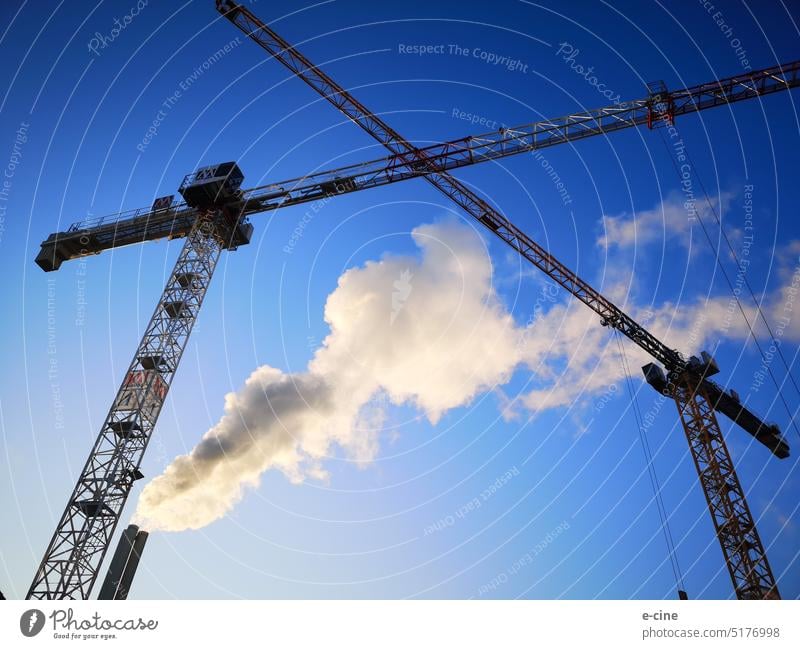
(433,162)
(744,554)
(148,224)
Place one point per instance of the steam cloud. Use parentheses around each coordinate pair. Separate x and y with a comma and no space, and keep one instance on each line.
(428,331)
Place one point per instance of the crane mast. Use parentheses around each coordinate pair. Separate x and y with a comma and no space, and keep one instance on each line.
(214,217)
(735,527)
(72,560)
(741,545)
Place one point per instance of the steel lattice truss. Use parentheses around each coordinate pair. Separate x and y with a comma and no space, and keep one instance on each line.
(734,524)
(748,568)
(147,224)
(72,560)
(454,189)
(429,162)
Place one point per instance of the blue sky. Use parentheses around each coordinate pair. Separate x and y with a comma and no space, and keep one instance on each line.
(574,515)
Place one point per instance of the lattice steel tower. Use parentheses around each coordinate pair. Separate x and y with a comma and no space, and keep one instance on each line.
(72,560)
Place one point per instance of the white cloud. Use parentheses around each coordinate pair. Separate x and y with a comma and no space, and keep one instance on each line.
(672,220)
(445,339)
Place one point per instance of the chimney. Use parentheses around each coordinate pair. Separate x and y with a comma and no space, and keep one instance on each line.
(123,565)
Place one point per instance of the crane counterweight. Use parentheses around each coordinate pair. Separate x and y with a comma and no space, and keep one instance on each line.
(725,401)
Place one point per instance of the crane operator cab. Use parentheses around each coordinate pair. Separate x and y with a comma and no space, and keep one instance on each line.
(218,186)
(215,185)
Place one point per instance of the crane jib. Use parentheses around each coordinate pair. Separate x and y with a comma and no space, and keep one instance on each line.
(171,221)
(745,555)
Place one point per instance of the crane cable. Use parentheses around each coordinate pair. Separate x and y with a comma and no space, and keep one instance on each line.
(756,303)
(766,365)
(651,470)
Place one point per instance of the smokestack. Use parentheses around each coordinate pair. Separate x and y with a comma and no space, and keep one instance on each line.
(130,568)
(123,565)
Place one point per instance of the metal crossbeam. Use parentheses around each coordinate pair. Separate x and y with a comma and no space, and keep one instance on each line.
(454,189)
(146,224)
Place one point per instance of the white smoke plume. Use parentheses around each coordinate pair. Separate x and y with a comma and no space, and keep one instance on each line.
(430,332)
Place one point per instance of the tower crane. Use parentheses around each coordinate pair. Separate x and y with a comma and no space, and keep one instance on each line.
(685,381)
(214,216)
